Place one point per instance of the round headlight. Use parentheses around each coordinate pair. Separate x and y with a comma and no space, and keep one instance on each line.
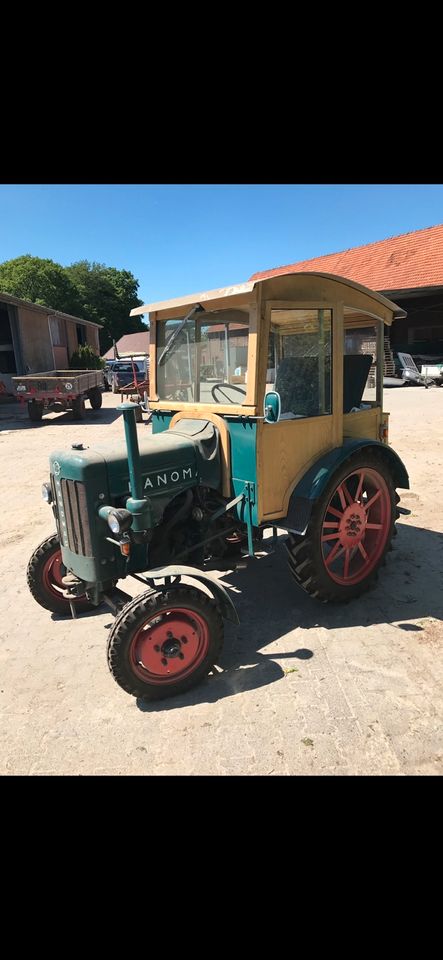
(119,520)
(47,492)
(114,523)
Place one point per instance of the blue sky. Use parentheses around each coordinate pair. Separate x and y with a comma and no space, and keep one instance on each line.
(181,238)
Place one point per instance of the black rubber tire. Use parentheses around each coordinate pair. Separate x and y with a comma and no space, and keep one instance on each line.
(78,408)
(35,411)
(34,576)
(95,398)
(131,618)
(304,552)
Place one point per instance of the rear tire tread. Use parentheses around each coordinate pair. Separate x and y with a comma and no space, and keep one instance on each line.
(305,570)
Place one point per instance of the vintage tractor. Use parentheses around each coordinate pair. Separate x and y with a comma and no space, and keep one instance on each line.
(266,403)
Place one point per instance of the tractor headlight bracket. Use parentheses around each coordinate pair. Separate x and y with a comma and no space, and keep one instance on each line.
(118,519)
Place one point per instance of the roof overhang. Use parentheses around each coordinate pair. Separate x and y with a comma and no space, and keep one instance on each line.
(404,293)
(49,311)
(205,297)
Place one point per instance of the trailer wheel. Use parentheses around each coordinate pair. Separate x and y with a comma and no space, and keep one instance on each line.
(78,408)
(44,576)
(163,643)
(35,410)
(349,534)
(95,398)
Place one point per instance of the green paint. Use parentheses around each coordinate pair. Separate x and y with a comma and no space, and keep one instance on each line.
(313,483)
(162,467)
(160,421)
(243,435)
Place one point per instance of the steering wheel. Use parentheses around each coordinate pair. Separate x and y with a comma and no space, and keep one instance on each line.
(231,386)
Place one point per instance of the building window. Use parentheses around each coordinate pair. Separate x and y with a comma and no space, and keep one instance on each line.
(81,334)
(7,357)
(425,334)
(56,330)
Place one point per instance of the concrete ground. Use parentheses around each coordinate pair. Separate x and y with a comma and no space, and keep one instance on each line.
(302,688)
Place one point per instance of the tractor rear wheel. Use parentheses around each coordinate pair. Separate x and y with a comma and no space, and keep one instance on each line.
(44,576)
(163,643)
(349,533)
(95,398)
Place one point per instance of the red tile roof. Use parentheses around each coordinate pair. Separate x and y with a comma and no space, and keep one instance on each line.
(410,260)
(130,343)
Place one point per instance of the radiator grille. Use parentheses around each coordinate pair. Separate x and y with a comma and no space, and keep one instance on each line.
(56,507)
(76,517)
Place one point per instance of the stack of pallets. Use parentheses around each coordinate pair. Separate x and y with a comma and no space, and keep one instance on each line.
(389,365)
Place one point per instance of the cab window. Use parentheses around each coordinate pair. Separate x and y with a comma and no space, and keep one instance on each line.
(300,363)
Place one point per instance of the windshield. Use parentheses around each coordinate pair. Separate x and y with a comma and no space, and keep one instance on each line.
(203,359)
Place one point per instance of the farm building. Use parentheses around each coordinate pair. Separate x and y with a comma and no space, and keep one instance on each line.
(130,345)
(407,269)
(35,338)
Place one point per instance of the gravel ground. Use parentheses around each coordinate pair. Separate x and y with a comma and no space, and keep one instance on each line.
(302,688)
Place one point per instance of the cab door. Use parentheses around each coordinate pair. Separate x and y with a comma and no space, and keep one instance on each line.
(303,369)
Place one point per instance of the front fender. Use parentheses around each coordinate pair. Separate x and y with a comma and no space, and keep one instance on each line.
(312,484)
(219,593)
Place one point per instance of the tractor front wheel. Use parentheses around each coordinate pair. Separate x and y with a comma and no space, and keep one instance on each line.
(44,576)
(163,643)
(349,533)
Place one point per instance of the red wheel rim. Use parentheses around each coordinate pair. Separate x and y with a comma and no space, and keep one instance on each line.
(52,576)
(169,645)
(356,526)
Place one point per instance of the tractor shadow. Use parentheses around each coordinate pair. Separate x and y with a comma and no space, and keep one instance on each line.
(271,606)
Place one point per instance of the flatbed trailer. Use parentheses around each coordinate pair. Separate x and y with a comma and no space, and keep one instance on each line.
(59,390)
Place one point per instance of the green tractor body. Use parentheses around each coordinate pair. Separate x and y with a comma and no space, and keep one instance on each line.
(84,481)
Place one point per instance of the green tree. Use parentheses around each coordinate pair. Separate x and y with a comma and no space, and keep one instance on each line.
(41,281)
(92,291)
(107,296)
(85,358)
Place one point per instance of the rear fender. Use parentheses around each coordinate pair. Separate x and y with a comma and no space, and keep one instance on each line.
(313,483)
(218,592)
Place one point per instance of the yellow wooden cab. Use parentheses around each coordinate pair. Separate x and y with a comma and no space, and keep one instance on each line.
(316,339)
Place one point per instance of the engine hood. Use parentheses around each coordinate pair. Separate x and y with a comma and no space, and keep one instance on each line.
(170,461)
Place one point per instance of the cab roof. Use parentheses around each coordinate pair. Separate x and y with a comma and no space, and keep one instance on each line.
(240,289)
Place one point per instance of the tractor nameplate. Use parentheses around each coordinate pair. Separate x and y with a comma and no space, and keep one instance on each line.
(168,478)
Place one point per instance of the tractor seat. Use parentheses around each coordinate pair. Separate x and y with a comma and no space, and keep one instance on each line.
(355,374)
(297,384)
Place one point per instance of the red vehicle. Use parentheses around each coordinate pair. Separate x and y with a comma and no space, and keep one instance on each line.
(60,390)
